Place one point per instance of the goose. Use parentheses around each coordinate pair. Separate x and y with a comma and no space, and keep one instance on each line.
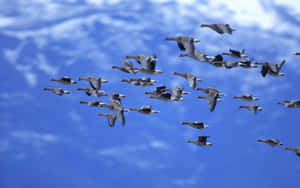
(271,141)
(165,97)
(202,141)
(144,81)
(252,107)
(64,80)
(92,103)
(115,97)
(148,63)
(210,90)
(217,61)
(111,117)
(271,68)
(195,124)
(184,43)
(57,91)
(212,100)
(296,150)
(197,55)
(177,93)
(246,63)
(246,97)
(146,109)
(92,91)
(159,90)
(290,104)
(95,82)
(219,28)
(192,79)
(228,64)
(297,53)
(117,107)
(236,53)
(127,67)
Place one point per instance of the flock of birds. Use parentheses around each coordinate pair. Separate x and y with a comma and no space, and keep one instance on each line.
(148,66)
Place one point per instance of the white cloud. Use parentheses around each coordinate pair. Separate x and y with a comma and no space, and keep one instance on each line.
(31,78)
(34,138)
(43,65)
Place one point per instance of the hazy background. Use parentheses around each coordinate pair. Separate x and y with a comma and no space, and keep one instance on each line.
(52,141)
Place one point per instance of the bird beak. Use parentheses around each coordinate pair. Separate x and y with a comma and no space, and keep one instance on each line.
(260,108)
(122,95)
(155,111)
(196,40)
(104,81)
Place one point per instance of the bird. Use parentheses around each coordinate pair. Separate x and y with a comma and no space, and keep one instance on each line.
(197,55)
(111,117)
(148,63)
(127,67)
(177,93)
(296,53)
(271,141)
(210,90)
(228,64)
(252,107)
(145,109)
(246,63)
(64,80)
(202,141)
(296,150)
(219,28)
(192,79)
(236,53)
(271,68)
(94,81)
(92,91)
(195,124)
(159,90)
(93,103)
(246,97)
(290,103)
(217,61)
(117,107)
(164,97)
(115,97)
(212,100)
(185,43)
(144,81)
(57,91)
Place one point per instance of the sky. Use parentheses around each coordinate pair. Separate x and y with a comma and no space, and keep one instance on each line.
(48,140)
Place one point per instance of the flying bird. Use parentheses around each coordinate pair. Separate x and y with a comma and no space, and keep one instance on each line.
(252,107)
(236,53)
(271,68)
(146,109)
(57,91)
(246,97)
(185,43)
(64,80)
(202,141)
(94,81)
(192,79)
(271,141)
(219,28)
(291,103)
(144,81)
(195,124)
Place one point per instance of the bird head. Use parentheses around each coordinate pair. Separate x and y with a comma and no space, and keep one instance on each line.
(104,81)
(260,108)
(196,40)
(281,74)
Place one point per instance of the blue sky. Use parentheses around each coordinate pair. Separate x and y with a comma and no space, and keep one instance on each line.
(52,141)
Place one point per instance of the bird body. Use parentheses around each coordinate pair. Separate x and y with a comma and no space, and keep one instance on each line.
(144,81)
(57,91)
(290,104)
(94,81)
(146,109)
(252,107)
(93,103)
(236,53)
(271,141)
(219,28)
(246,97)
(64,80)
(92,91)
(202,141)
(196,124)
(111,117)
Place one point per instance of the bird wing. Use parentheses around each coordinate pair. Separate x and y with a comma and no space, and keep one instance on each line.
(127,64)
(274,140)
(120,116)
(212,101)
(264,70)
(219,28)
(66,78)
(279,65)
(112,119)
(95,83)
(191,80)
(235,52)
(202,139)
(181,46)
